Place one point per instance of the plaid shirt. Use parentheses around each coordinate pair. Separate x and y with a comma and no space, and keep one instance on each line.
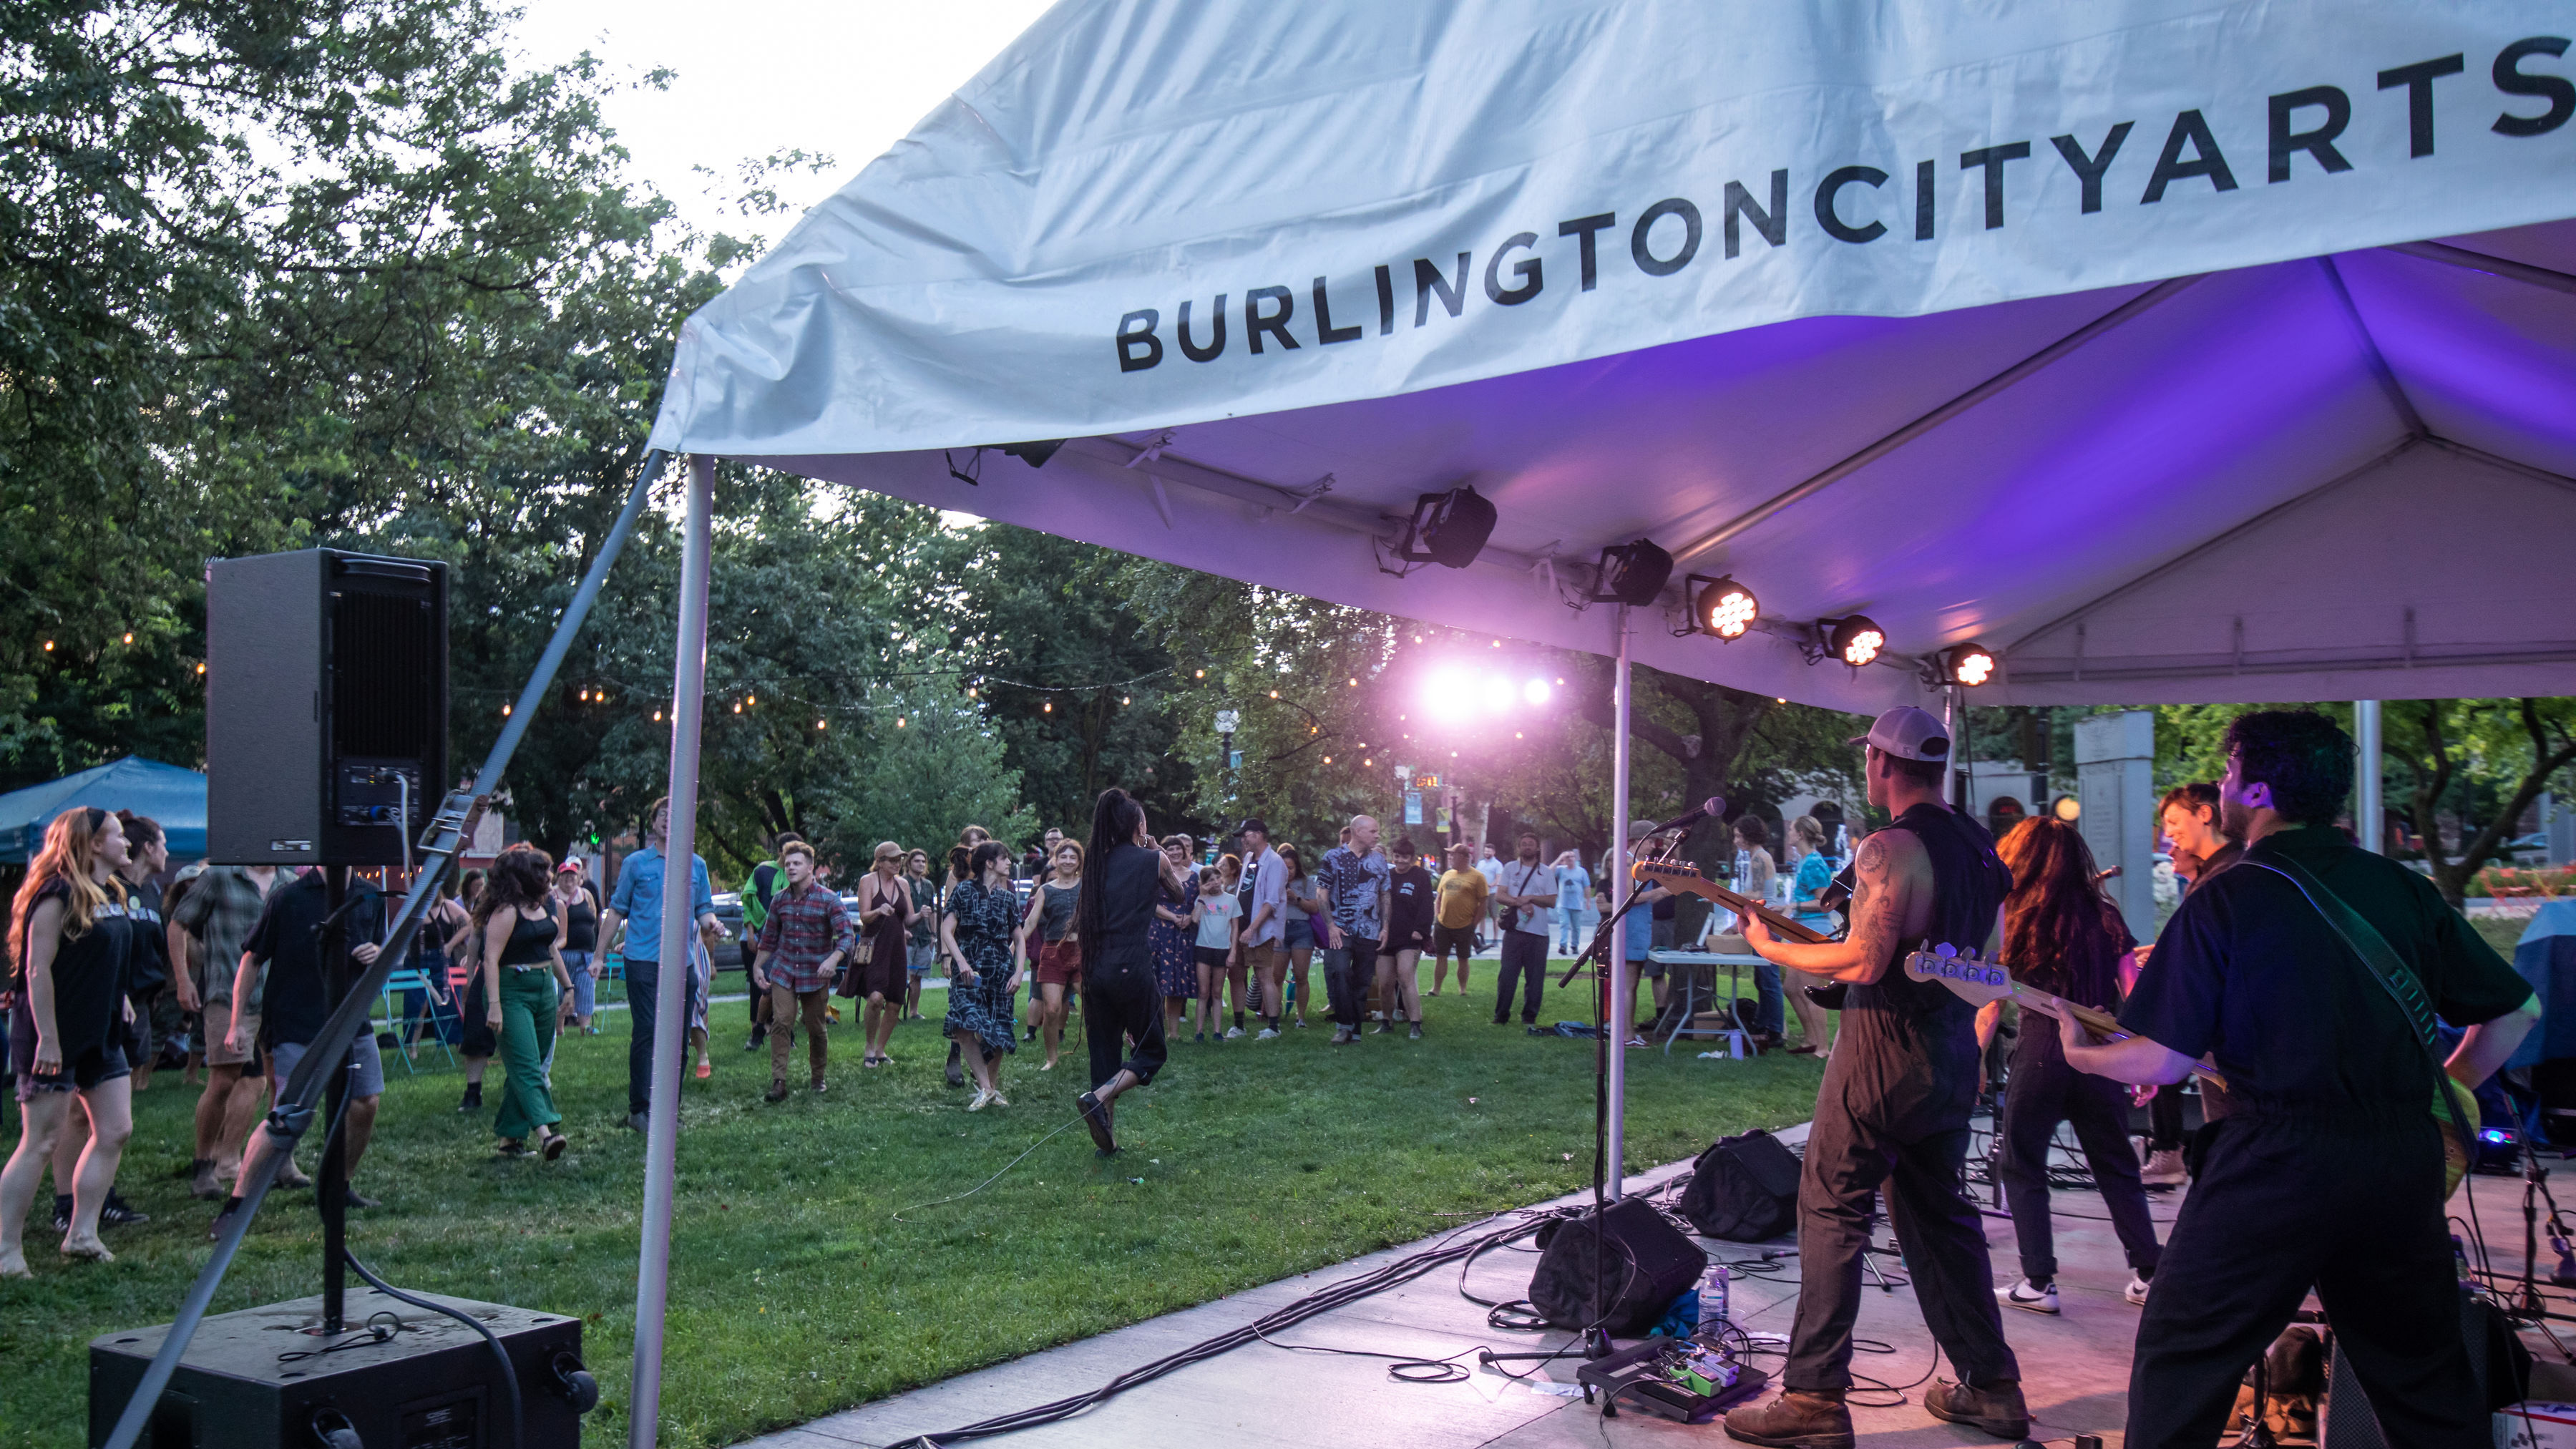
(803,928)
(220,910)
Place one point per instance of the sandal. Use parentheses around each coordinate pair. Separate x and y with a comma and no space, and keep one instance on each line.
(556,1142)
(92,1251)
(706,1070)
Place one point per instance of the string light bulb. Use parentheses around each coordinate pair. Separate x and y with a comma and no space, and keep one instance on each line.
(1274,694)
(818,724)
(1201,674)
(1047,708)
(505,711)
(1126,699)
(657,716)
(737,709)
(49,646)
(1328,759)
(129,638)
(898,721)
(201,666)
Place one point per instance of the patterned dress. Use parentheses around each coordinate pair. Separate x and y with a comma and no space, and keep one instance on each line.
(1175,969)
(986,919)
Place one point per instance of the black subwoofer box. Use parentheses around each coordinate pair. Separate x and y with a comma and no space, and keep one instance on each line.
(256,1379)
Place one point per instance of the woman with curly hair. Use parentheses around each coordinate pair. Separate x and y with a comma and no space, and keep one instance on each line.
(2062,935)
(523,974)
(69,941)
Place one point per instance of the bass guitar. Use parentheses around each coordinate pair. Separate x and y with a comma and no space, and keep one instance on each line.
(1981,981)
(1687,878)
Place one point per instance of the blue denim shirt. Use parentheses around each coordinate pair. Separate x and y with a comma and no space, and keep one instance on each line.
(638,900)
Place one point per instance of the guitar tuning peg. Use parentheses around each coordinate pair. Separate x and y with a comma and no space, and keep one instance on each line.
(1945,949)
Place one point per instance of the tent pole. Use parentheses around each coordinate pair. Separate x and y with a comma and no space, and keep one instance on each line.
(678,924)
(2368,814)
(1620,1018)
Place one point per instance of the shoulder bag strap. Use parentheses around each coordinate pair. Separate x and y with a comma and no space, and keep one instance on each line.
(2391,972)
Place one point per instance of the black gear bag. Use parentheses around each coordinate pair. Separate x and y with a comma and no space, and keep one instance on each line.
(1743,1189)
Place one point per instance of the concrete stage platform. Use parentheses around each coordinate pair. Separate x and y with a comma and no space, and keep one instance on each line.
(2075,1366)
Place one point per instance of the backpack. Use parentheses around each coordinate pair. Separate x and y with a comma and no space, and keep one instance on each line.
(1743,1189)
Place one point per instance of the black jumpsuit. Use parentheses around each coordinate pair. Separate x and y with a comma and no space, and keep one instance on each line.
(1893,1113)
(1121,999)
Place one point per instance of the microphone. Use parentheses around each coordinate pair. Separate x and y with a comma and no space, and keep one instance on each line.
(1713,805)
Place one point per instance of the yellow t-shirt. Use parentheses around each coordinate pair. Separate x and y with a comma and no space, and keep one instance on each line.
(1462,897)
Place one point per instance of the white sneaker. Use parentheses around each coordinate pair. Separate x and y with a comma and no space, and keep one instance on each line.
(1268,1034)
(1234,1034)
(2136,1292)
(2023,1296)
(2164,1169)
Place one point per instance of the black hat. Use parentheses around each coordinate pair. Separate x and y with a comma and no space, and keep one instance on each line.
(1253,823)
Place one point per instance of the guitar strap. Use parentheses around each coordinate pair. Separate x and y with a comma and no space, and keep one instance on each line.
(2385,966)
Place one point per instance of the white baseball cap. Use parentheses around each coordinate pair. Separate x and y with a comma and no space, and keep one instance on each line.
(1909,734)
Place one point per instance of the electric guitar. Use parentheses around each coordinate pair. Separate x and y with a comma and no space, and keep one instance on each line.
(1979,982)
(1687,878)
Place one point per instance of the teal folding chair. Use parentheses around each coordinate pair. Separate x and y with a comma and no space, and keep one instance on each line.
(396,983)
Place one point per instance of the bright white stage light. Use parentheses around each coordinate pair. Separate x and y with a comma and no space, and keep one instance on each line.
(1536,691)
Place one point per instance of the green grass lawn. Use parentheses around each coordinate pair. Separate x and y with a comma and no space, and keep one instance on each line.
(794,1289)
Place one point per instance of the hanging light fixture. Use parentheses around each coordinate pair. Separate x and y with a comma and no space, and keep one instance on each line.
(1631,574)
(1723,608)
(1969,664)
(1855,639)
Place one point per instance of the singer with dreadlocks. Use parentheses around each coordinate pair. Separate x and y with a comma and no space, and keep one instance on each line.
(1123,876)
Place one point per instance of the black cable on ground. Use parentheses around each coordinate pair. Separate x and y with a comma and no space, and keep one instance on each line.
(1325,1300)
(996,1177)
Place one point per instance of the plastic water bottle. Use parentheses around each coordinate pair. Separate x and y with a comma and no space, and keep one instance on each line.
(1842,845)
(1743,869)
(1712,1300)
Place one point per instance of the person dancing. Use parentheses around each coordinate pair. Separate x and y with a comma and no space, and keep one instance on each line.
(68,944)
(1892,1112)
(983,913)
(885,920)
(522,969)
(1410,903)
(1176,967)
(1048,942)
(1123,877)
(2062,935)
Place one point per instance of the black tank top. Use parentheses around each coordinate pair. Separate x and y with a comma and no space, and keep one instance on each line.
(581,924)
(1131,881)
(531,943)
(1907,1053)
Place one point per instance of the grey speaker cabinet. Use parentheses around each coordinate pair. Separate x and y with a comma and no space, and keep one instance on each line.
(326,706)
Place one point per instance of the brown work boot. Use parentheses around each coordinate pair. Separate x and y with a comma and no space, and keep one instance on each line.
(1995,1408)
(1798,1419)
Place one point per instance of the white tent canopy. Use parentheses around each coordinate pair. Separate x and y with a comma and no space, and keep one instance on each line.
(2115,337)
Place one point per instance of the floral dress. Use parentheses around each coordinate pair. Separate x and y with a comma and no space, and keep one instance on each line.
(986,920)
(1176,969)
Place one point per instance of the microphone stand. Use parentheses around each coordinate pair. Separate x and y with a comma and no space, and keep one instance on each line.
(1596,1342)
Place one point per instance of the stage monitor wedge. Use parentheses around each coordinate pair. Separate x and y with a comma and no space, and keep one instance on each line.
(326,706)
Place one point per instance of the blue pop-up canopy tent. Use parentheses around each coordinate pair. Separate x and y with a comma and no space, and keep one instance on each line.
(172,797)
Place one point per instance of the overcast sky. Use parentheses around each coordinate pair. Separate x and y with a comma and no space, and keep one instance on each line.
(760,76)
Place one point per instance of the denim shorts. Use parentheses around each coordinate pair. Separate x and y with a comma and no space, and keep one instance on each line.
(104,1063)
(366,1065)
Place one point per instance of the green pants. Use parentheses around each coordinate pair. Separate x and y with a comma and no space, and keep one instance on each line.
(528,1001)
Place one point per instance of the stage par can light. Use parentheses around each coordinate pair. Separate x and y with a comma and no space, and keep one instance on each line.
(1855,640)
(1536,692)
(1448,529)
(1723,608)
(1968,664)
(1632,574)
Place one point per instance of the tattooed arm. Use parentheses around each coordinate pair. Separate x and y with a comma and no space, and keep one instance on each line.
(1892,900)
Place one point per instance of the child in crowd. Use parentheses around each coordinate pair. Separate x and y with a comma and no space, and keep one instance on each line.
(1214,916)
(1411,896)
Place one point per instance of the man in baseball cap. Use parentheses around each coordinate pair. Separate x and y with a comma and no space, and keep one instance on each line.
(1908,734)
(1893,1112)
